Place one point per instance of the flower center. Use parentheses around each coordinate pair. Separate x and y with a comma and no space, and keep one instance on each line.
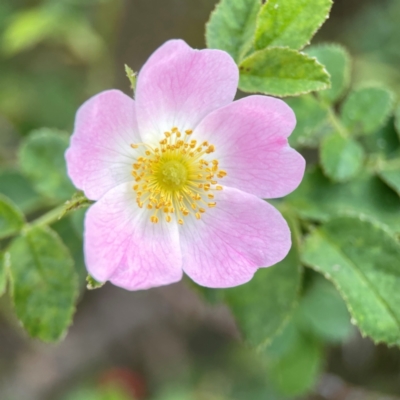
(177,178)
(172,174)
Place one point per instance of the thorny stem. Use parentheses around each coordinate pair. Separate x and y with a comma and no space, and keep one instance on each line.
(77,201)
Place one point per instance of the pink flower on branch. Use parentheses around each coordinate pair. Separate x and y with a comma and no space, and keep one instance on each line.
(179,174)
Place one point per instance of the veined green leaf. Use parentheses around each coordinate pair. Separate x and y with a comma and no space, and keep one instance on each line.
(231,26)
(44,283)
(282,72)
(290,23)
(362,260)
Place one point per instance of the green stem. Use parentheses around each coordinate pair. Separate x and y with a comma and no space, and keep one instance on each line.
(337,123)
(51,216)
(77,201)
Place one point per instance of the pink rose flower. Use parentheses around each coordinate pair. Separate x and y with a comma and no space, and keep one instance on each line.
(180,172)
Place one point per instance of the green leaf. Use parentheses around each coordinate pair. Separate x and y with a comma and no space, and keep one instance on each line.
(17,188)
(231,26)
(282,72)
(362,260)
(389,172)
(262,306)
(3,274)
(319,199)
(44,284)
(11,218)
(42,160)
(290,23)
(294,361)
(323,313)
(310,116)
(74,241)
(341,157)
(337,61)
(367,109)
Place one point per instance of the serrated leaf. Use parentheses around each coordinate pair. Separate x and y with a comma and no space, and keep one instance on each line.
(41,158)
(362,260)
(17,188)
(389,172)
(337,62)
(44,283)
(263,305)
(310,116)
(11,218)
(341,157)
(281,72)
(317,198)
(65,229)
(231,26)
(367,109)
(290,23)
(294,361)
(323,313)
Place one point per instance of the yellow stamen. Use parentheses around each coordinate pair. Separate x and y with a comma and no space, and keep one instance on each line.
(176,176)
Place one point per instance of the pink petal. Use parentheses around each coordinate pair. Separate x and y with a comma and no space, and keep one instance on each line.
(100,157)
(250,136)
(232,240)
(178,86)
(123,246)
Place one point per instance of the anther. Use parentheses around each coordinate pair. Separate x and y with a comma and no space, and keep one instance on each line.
(210,149)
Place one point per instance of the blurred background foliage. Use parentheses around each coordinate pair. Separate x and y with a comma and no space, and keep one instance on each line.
(54,55)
